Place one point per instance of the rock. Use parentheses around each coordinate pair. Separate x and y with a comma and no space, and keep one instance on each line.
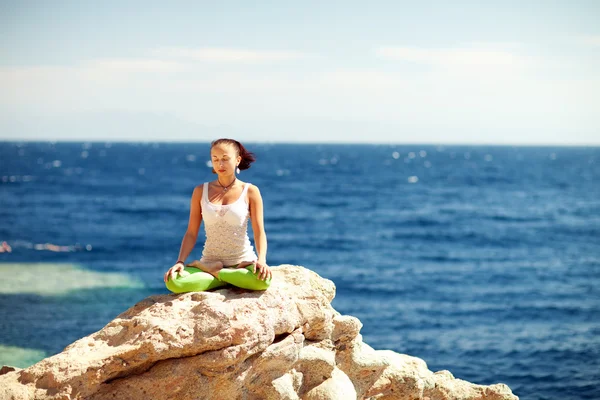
(6,369)
(285,343)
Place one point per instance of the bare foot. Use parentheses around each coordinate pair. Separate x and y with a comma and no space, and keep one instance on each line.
(212,268)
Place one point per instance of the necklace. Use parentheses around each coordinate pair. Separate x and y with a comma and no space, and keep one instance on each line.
(226,188)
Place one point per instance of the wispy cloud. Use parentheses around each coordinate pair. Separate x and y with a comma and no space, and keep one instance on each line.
(16,82)
(467,56)
(134,65)
(362,79)
(227,55)
(590,40)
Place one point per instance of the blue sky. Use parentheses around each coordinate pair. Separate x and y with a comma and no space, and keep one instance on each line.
(501,72)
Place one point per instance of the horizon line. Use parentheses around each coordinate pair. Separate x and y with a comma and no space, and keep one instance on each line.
(275,142)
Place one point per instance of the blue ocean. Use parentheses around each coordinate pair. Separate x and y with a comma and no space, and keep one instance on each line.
(481,260)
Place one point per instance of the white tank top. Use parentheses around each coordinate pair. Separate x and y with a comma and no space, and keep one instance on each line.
(226,229)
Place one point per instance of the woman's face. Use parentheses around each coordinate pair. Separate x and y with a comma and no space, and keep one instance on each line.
(224,159)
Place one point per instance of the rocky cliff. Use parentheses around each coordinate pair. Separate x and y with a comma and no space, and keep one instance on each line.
(284,343)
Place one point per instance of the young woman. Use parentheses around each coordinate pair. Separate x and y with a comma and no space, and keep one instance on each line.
(225,205)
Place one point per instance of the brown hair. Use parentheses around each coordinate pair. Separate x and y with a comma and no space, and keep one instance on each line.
(247,157)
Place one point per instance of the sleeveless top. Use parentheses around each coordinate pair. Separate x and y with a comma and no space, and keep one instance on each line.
(226,229)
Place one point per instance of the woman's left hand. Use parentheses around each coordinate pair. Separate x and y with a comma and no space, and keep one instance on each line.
(264,272)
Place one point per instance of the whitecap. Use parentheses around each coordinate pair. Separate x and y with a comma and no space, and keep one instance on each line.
(413,179)
(396,155)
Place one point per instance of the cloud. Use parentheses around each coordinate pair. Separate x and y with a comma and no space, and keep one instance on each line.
(362,79)
(471,87)
(227,55)
(27,86)
(105,124)
(453,57)
(134,65)
(589,40)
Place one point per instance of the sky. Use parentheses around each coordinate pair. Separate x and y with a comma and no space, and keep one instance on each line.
(445,72)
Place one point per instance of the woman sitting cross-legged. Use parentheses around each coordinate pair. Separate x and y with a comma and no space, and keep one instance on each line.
(225,205)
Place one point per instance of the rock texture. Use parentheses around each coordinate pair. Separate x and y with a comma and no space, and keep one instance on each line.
(286,343)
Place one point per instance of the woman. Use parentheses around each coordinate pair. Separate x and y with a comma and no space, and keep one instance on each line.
(225,205)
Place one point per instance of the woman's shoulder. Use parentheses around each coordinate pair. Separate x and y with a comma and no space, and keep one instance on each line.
(253,190)
(198,189)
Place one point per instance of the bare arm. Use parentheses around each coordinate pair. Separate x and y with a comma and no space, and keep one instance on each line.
(191,234)
(258,226)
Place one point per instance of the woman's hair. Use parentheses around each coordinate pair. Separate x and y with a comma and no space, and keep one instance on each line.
(247,157)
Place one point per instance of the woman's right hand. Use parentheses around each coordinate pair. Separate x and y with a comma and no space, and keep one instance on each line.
(173,271)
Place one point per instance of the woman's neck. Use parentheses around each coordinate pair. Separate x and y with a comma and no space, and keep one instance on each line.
(226,181)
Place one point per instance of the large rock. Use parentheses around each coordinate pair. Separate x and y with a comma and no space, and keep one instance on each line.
(284,343)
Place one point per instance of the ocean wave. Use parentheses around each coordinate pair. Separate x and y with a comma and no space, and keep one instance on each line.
(52,247)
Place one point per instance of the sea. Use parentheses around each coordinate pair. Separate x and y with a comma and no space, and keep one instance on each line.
(480,260)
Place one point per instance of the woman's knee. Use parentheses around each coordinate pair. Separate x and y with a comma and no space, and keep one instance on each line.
(174,286)
(195,281)
(263,285)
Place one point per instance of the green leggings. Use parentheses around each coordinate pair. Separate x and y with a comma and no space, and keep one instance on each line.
(199,281)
